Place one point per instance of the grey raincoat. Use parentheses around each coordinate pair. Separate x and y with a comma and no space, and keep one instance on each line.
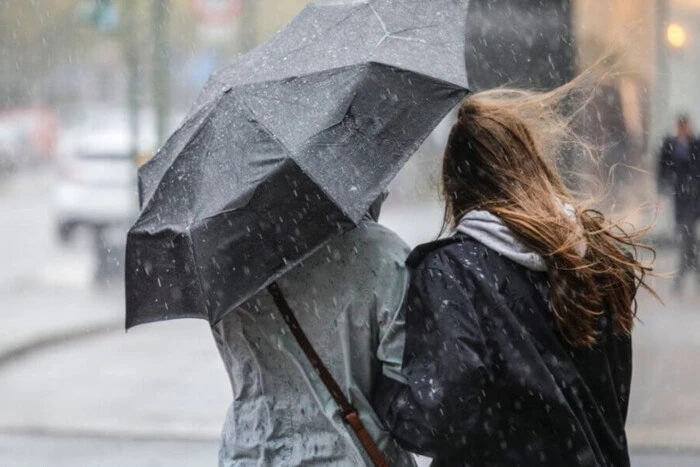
(346,297)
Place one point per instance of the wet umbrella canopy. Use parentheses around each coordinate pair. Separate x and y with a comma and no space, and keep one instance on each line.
(287,148)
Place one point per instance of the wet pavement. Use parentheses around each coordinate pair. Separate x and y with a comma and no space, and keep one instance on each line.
(39,451)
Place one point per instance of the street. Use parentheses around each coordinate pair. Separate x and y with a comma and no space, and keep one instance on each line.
(76,390)
(64,451)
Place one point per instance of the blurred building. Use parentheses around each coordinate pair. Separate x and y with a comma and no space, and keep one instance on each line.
(655,47)
(56,53)
(651,49)
(528,43)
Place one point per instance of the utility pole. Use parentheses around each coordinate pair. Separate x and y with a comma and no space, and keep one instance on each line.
(161,72)
(250,22)
(132,65)
(662,77)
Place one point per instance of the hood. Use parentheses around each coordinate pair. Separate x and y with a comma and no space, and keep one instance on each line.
(489,230)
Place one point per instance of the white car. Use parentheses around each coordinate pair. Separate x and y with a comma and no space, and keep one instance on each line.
(96,179)
(96,183)
(10,142)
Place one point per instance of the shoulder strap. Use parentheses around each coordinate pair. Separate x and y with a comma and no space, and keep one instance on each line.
(347,410)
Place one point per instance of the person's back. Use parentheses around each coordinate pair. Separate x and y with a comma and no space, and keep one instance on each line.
(346,297)
(539,402)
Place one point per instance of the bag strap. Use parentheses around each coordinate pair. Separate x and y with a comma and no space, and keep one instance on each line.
(348,412)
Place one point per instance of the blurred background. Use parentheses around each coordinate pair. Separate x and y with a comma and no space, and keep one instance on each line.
(89,89)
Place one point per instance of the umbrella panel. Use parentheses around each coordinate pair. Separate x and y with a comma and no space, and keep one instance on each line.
(234,254)
(236,208)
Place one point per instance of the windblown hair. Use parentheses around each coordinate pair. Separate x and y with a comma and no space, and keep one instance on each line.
(501,157)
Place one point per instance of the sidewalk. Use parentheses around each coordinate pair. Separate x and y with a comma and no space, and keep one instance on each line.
(66,364)
(160,381)
(45,294)
(33,319)
(665,399)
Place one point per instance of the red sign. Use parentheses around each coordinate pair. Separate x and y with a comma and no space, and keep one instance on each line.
(216,11)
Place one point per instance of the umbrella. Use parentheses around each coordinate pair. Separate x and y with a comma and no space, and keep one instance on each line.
(287,148)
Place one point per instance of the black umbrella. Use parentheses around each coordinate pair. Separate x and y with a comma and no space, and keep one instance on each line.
(287,148)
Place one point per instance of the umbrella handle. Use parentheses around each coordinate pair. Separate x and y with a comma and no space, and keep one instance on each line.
(350,415)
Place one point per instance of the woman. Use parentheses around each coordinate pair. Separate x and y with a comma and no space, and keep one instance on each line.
(518,347)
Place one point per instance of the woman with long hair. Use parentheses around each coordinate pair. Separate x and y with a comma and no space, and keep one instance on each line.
(518,326)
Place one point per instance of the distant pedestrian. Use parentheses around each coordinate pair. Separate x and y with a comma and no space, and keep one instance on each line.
(518,326)
(679,176)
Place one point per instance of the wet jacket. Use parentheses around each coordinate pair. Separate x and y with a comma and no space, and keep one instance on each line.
(347,297)
(680,176)
(488,382)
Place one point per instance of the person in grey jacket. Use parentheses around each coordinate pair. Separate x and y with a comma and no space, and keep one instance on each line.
(346,297)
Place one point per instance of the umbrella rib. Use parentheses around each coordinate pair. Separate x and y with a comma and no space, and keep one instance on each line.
(318,35)
(289,156)
(193,253)
(199,129)
(379,18)
(416,28)
(267,80)
(407,38)
(391,35)
(383,25)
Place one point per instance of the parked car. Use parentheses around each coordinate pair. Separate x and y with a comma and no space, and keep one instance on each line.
(96,180)
(95,187)
(8,150)
(95,183)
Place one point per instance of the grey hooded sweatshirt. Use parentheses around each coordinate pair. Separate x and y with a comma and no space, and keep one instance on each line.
(489,230)
(346,297)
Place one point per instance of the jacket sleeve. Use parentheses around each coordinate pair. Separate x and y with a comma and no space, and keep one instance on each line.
(391,321)
(622,371)
(443,365)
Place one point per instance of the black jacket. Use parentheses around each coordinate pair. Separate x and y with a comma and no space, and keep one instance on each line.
(681,178)
(489,383)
